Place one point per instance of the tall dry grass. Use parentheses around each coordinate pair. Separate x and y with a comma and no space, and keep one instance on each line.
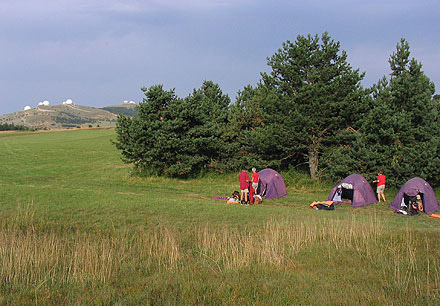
(32,256)
(29,255)
(279,241)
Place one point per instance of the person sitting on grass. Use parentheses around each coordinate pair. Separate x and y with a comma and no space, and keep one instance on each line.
(244,186)
(419,202)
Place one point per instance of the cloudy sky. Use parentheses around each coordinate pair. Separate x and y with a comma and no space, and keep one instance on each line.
(101,52)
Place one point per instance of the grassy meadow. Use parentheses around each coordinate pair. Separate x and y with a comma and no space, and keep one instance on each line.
(77,228)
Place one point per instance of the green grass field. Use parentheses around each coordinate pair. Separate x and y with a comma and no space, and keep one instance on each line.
(76,228)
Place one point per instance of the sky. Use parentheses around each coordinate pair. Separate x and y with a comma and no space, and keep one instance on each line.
(99,53)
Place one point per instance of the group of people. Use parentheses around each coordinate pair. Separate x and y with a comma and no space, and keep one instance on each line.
(415,204)
(246,184)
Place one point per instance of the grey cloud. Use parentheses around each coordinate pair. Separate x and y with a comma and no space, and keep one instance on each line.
(102,52)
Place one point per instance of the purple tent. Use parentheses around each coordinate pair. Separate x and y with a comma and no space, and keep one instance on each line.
(356,188)
(271,184)
(414,187)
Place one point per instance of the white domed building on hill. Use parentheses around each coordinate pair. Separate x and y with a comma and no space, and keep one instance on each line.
(68,102)
(27,107)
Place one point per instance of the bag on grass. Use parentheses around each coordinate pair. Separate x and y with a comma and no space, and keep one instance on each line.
(325,207)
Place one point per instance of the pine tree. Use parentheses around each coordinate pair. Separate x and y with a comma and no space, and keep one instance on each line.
(317,91)
(402,134)
(246,146)
(205,113)
(148,140)
(172,136)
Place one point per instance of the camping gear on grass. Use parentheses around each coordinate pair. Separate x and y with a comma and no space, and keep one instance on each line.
(354,188)
(251,193)
(323,205)
(271,184)
(407,195)
(234,199)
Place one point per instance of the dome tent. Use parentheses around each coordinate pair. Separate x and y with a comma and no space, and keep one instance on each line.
(355,188)
(414,187)
(271,184)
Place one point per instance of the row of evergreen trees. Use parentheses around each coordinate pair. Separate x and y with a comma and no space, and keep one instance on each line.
(309,112)
(12,127)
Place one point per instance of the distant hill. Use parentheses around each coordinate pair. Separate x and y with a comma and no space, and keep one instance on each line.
(68,116)
(125,109)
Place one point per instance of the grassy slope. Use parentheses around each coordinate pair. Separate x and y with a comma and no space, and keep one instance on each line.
(167,242)
(61,116)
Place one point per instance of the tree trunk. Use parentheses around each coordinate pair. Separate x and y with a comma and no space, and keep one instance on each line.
(313,163)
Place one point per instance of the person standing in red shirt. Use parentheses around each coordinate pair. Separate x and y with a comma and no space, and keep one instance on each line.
(255,178)
(380,186)
(243,177)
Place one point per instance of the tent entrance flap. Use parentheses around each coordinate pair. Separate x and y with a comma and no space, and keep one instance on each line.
(343,193)
(347,194)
